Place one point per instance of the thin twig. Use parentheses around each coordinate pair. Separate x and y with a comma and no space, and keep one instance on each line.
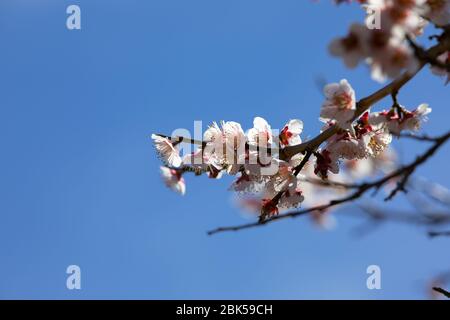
(442,291)
(179,139)
(408,170)
(412,136)
(332,184)
(433,234)
(423,55)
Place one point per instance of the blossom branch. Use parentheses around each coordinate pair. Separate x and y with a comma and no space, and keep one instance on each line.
(404,171)
(353,134)
(273,203)
(365,103)
(361,106)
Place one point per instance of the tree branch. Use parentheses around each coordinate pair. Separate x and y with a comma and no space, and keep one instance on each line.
(433,234)
(177,139)
(413,136)
(362,105)
(365,103)
(442,291)
(404,171)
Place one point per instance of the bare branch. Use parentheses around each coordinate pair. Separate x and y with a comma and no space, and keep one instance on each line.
(413,136)
(442,291)
(433,234)
(332,184)
(408,170)
(423,55)
(432,190)
(428,218)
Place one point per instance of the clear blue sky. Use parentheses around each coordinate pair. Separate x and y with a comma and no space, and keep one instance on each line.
(79,177)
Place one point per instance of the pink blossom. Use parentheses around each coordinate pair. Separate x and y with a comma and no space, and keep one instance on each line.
(325,162)
(351,48)
(340,104)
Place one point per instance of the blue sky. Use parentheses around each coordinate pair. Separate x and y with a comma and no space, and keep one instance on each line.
(80,182)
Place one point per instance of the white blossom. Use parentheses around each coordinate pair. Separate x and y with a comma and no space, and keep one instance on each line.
(414,119)
(173,179)
(166,151)
(351,48)
(444,58)
(340,104)
(349,147)
(261,133)
(290,134)
(392,60)
(283,179)
(225,145)
(396,121)
(379,141)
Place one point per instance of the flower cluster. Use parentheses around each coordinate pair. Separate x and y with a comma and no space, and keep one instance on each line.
(251,156)
(365,137)
(269,181)
(383,40)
